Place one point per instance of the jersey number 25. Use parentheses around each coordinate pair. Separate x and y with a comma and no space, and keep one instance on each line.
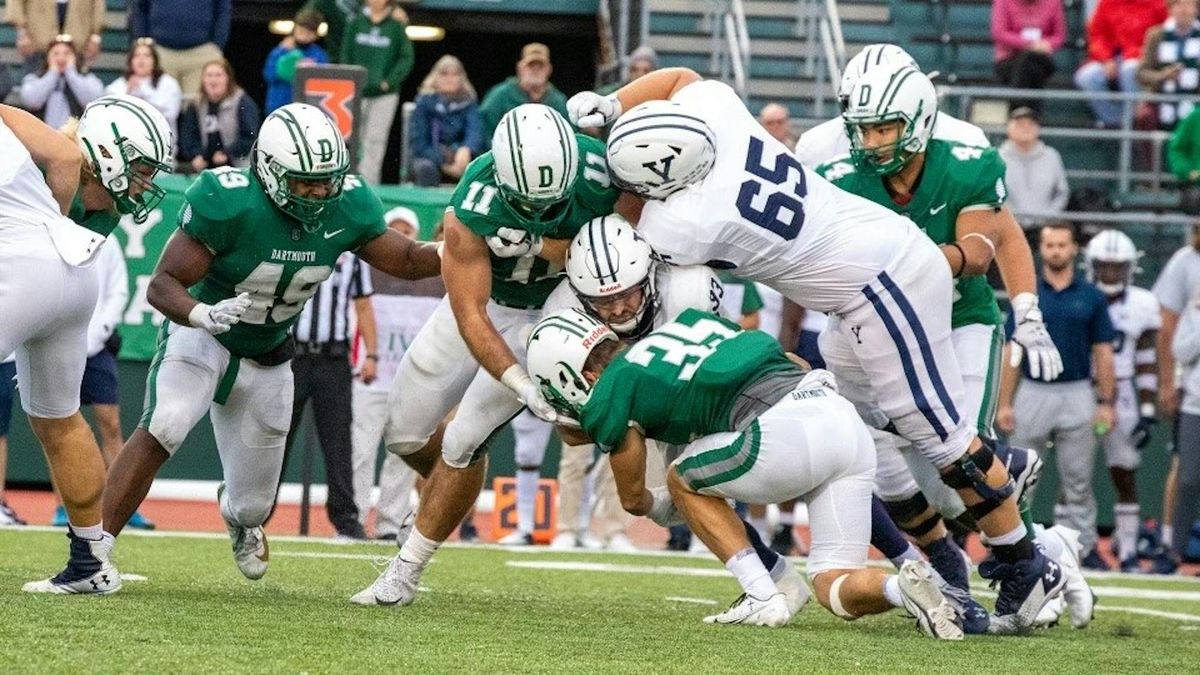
(784,184)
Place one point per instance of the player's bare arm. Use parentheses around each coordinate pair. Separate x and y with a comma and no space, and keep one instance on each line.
(52,151)
(975,247)
(1146,368)
(1106,383)
(571,435)
(185,261)
(467,270)
(629,470)
(401,257)
(1014,258)
(589,109)
(1168,395)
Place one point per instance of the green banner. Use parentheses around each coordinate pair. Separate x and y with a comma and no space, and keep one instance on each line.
(143,244)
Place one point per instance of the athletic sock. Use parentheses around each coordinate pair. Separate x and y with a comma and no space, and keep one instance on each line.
(1126,516)
(419,548)
(910,553)
(891,591)
(1168,536)
(1013,546)
(751,574)
(779,569)
(91,532)
(768,557)
(787,517)
(527,485)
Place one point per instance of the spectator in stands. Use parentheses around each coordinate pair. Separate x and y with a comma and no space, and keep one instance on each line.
(445,131)
(1027,33)
(1035,176)
(298,49)
(8,390)
(1177,290)
(189,34)
(531,84)
(59,90)
(775,118)
(1170,62)
(145,79)
(38,22)
(1115,36)
(1070,410)
(377,41)
(337,14)
(218,128)
(1183,156)
(641,61)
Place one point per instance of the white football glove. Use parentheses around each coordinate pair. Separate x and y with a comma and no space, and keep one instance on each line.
(510,242)
(662,509)
(1031,341)
(589,109)
(518,380)
(818,377)
(219,318)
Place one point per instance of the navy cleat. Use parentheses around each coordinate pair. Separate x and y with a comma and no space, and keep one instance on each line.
(89,570)
(1131,565)
(1094,561)
(1024,466)
(1025,587)
(1163,562)
(947,559)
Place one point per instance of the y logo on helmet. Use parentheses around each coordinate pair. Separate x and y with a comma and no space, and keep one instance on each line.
(545,176)
(662,167)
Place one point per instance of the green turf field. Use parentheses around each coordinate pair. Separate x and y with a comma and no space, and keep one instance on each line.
(489,610)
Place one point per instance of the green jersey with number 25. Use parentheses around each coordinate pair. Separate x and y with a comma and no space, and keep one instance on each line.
(527,281)
(680,381)
(956,178)
(260,250)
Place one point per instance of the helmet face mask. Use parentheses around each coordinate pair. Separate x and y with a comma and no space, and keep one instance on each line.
(619,311)
(611,270)
(301,161)
(125,143)
(886,158)
(900,95)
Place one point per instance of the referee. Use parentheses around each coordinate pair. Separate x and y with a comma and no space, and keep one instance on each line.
(1068,411)
(323,374)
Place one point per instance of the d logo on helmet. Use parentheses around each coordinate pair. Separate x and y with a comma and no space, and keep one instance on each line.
(545,176)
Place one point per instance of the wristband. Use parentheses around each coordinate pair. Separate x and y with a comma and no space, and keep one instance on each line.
(1147,410)
(515,378)
(199,317)
(985,240)
(1023,304)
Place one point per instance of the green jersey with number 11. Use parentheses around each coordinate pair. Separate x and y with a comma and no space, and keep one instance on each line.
(680,381)
(261,250)
(527,281)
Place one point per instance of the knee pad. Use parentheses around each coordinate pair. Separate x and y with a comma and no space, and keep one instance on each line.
(970,471)
(904,511)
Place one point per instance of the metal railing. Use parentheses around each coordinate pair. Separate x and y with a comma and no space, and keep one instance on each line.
(730,42)
(819,24)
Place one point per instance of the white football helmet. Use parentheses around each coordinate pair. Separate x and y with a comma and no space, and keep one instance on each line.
(890,94)
(659,148)
(871,56)
(125,143)
(536,161)
(1111,261)
(558,349)
(300,143)
(608,262)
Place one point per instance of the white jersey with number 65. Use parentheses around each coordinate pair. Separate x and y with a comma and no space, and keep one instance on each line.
(766,217)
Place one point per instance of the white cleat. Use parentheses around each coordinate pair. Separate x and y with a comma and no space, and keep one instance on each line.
(751,611)
(406,528)
(935,615)
(396,585)
(1050,613)
(619,543)
(564,541)
(89,570)
(250,550)
(1081,601)
(794,588)
(516,538)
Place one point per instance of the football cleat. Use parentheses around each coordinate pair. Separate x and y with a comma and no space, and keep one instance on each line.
(89,570)
(139,522)
(8,516)
(1094,561)
(395,586)
(934,613)
(795,590)
(516,538)
(1024,466)
(1025,586)
(749,610)
(1051,613)
(619,543)
(564,541)
(1081,601)
(250,550)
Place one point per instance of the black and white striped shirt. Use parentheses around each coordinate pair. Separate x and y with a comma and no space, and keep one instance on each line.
(326,315)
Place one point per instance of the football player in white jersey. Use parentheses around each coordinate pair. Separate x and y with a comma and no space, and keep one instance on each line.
(48,290)
(720,191)
(1111,263)
(828,139)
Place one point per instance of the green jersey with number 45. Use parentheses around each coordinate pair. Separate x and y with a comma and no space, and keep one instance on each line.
(260,250)
(527,281)
(955,178)
(680,381)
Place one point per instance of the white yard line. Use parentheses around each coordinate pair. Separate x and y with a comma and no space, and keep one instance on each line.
(570,566)
(693,601)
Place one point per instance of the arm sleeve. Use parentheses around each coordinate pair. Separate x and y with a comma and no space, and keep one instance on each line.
(98,8)
(35,91)
(222,16)
(165,97)
(1186,345)
(403,65)
(189,134)
(117,86)
(474,137)
(200,216)
(86,87)
(115,293)
(1004,33)
(347,47)
(490,113)
(270,70)
(1148,65)
(1099,42)
(751,299)
(248,121)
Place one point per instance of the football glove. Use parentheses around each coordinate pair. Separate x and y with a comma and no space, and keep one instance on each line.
(1142,432)
(662,509)
(530,394)
(1031,341)
(510,242)
(589,109)
(219,318)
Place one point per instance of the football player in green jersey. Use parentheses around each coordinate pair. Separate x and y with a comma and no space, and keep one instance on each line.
(955,193)
(758,428)
(251,249)
(48,285)
(514,213)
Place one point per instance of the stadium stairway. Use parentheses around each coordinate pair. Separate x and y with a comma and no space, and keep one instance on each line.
(114,44)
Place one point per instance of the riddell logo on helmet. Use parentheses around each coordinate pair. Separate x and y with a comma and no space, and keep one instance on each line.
(594,337)
(612,287)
